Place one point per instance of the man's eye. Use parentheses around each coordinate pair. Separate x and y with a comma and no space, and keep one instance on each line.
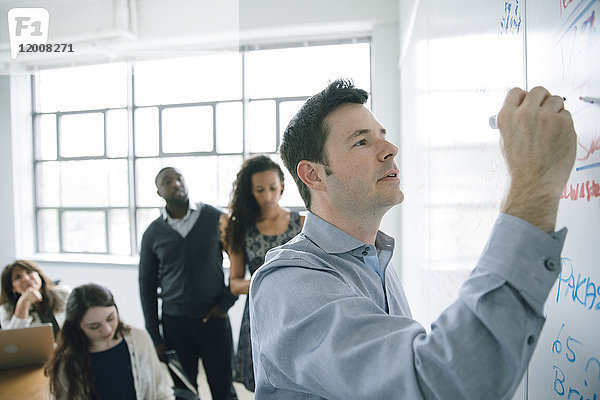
(361,142)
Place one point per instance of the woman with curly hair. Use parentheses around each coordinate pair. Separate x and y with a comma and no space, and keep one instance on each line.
(256,224)
(30,297)
(99,357)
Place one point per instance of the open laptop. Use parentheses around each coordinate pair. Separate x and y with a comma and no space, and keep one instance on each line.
(26,346)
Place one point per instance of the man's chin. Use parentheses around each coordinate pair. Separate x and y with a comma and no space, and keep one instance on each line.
(181,201)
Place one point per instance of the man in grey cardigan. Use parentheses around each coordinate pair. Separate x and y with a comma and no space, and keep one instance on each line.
(181,254)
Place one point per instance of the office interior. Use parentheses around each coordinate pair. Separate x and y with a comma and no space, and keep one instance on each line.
(416,71)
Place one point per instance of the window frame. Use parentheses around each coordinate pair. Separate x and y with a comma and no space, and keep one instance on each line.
(131,159)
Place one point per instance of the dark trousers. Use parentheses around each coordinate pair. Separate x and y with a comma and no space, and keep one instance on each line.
(212,342)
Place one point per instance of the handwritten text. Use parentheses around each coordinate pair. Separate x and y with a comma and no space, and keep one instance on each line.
(580,289)
(584,190)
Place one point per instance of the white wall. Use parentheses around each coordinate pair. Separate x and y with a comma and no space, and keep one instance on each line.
(260,21)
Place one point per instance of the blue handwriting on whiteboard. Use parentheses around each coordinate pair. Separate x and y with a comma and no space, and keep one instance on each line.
(511,20)
(578,288)
(591,373)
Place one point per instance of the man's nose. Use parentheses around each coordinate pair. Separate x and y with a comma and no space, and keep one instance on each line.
(388,151)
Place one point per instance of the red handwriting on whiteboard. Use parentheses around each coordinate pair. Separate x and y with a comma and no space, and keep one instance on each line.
(595,145)
(565,3)
(584,190)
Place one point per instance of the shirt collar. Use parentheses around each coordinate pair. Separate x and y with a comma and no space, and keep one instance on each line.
(333,240)
(191,208)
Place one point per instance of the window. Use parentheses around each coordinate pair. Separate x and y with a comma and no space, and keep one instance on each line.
(102,132)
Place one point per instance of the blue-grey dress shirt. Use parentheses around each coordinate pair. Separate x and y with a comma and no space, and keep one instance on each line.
(320,329)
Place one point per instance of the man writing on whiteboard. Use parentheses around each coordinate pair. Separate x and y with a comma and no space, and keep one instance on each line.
(328,314)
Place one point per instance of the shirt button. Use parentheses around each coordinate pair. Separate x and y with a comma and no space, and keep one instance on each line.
(550,264)
(365,253)
(530,340)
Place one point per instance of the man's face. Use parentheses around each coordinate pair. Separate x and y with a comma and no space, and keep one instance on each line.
(365,176)
(171,186)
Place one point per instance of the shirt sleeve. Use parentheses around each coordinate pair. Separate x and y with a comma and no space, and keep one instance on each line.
(337,344)
(148,283)
(13,322)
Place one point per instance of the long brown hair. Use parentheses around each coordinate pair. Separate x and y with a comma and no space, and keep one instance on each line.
(243,206)
(50,303)
(70,369)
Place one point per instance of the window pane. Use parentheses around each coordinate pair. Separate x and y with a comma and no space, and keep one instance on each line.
(46,139)
(82,135)
(47,225)
(118,183)
(144,217)
(91,183)
(48,184)
(145,173)
(187,129)
(83,88)
(119,232)
(287,110)
(116,133)
(189,80)
(261,126)
(229,166)
(268,72)
(146,131)
(84,231)
(230,127)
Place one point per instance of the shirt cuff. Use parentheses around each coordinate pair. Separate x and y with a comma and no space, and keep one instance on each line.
(526,257)
(16,322)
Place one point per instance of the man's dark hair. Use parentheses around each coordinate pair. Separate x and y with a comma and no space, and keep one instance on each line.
(306,134)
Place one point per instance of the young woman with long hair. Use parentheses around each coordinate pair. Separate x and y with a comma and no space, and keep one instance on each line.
(99,357)
(256,224)
(30,297)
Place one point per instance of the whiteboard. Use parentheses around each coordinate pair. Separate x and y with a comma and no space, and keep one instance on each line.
(458,61)
(563,54)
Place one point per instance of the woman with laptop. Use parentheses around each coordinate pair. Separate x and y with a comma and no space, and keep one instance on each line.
(99,357)
(30,297)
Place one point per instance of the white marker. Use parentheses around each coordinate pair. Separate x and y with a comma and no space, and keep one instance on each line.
(592,100)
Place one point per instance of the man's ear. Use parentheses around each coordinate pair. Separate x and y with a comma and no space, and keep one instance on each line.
(310,174)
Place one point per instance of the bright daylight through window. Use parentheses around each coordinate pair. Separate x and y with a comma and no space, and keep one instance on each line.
(102,132)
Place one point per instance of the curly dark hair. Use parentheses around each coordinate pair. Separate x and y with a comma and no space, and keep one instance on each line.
(306,134)
(243,208)
(70,368)
(50,303)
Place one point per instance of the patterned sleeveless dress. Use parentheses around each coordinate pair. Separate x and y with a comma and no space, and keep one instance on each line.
(256,246)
